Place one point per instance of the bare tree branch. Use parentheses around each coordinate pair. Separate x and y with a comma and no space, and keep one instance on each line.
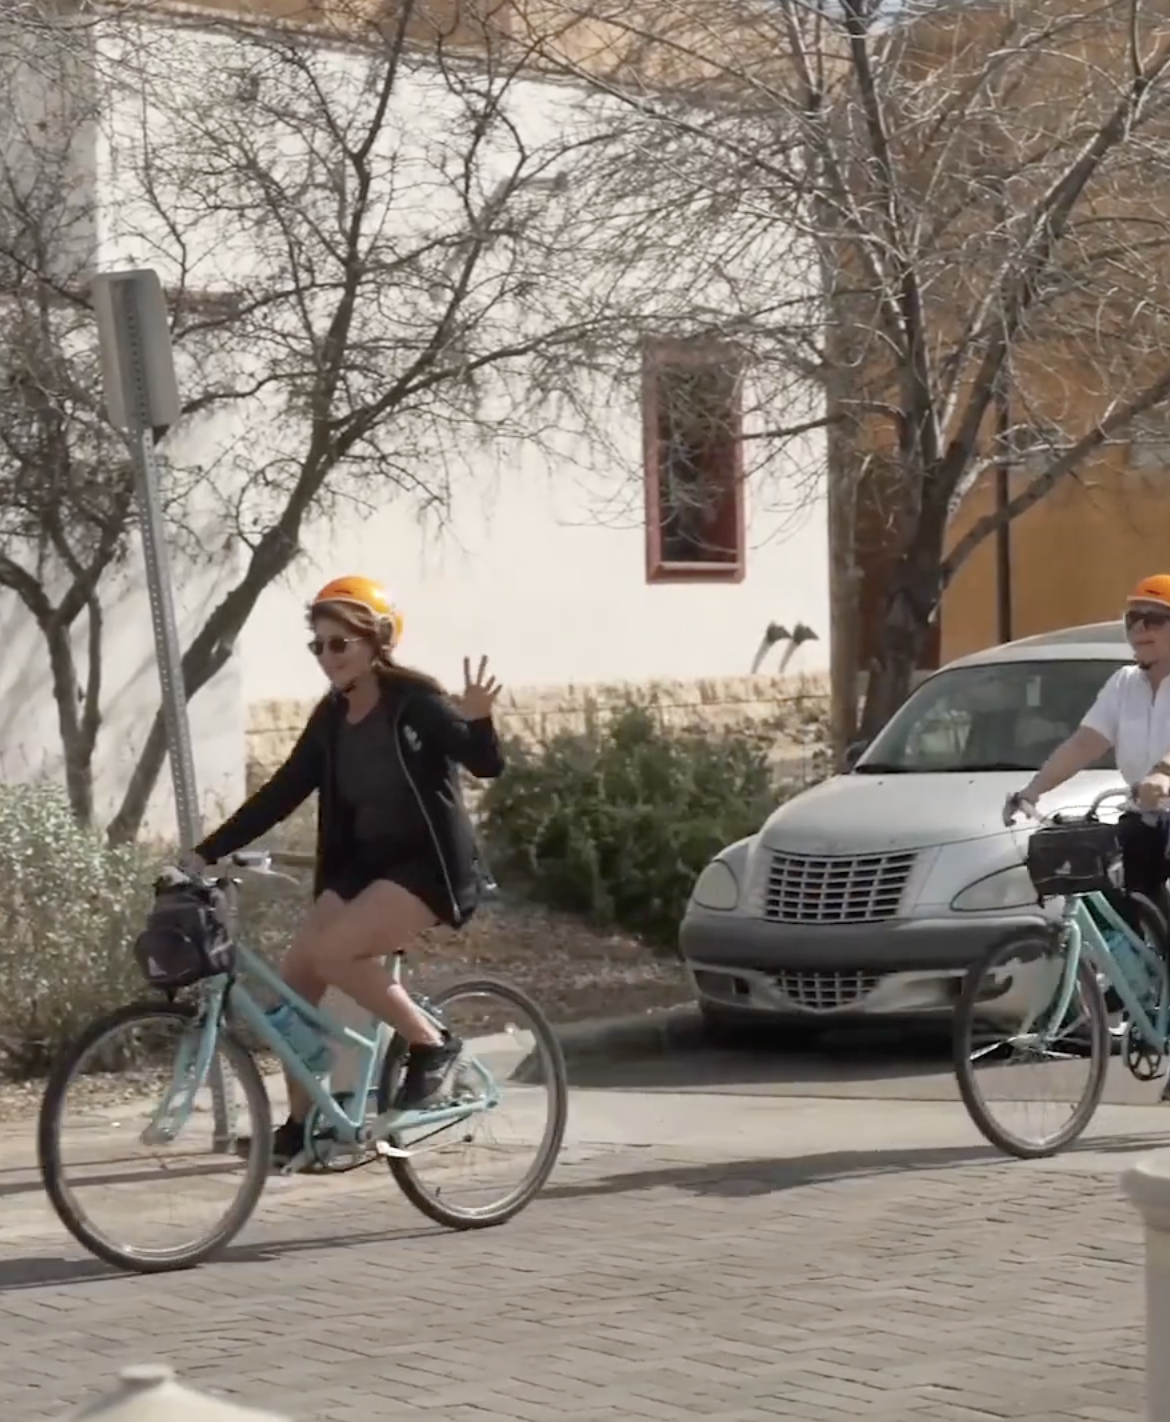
(952,202)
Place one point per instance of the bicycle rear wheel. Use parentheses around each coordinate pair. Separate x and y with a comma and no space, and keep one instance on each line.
(102,1097)
(1004,1023)
(505,1032)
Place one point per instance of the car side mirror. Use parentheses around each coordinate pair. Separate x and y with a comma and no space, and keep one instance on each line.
(854,752)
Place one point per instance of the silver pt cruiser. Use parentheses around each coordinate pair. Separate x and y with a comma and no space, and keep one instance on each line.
(869,895)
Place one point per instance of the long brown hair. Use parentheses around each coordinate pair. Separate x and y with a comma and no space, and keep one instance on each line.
(365,623)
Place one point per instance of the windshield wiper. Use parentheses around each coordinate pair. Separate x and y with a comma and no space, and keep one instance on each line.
(886,767)
(997,765)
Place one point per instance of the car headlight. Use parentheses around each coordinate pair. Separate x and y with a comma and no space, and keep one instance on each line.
(716,888)
(1007,889)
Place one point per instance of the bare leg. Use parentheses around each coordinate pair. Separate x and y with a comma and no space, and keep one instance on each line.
(297,971)
(346,1063)
(351,955)
(345,953)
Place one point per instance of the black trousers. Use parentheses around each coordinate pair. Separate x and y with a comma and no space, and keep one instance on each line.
(1143,856)
(1144,865)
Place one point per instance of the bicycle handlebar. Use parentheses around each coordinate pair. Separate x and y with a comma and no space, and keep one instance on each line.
(1119,792)
(255,861)
(1122,790)
(260,861)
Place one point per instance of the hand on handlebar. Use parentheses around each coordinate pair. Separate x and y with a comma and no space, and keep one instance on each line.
(175,876)
(1017,804)
(1150,795)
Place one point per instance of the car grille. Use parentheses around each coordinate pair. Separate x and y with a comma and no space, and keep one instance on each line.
(802,888)
(826,992)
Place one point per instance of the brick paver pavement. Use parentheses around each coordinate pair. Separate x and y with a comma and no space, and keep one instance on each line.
(833,1286)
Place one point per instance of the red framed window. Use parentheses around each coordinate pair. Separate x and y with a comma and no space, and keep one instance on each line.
(692,421)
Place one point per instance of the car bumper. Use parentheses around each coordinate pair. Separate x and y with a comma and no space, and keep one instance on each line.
(908,966)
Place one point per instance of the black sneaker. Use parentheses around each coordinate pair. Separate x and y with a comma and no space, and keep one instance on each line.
(288,1141)
(428,1071)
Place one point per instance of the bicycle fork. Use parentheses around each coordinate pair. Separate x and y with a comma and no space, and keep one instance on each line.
(194,1061)
(1068,982)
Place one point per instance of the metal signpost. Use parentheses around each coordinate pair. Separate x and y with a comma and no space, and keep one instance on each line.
(142,398)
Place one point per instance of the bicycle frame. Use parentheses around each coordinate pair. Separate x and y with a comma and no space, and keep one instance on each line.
(1133,959)
(1136,963)
(222,993)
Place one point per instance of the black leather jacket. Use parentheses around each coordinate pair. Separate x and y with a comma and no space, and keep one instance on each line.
(432,738)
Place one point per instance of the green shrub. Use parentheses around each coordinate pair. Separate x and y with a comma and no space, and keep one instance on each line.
(70,909)
(616,823)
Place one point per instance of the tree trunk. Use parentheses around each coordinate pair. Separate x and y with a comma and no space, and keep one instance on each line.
(914,600)
(207,655)
(844,458)
(77,737)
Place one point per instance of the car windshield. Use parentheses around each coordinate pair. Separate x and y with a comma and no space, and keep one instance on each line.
(1005,716)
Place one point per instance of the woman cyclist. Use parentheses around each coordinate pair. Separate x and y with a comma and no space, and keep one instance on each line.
(395,847)
(1132,715)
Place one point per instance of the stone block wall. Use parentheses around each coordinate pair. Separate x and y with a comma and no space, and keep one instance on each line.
(790,713)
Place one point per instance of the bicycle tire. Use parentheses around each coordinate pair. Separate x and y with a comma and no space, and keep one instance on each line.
(402,1169)
(49,1145)
(964,1027)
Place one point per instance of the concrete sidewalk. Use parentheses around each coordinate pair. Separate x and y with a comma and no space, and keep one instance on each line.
(698,1255)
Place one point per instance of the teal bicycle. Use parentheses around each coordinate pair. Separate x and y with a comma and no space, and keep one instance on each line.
(1044,1000)
(178,1077)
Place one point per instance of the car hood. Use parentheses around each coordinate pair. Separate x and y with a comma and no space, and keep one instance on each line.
(857,813)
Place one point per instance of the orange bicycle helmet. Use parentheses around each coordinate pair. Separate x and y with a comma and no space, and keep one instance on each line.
(1154,590)
(362,592)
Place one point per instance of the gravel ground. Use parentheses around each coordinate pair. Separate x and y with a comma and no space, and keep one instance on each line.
(573,971)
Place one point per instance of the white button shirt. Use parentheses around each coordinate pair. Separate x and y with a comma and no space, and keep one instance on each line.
(1134,720)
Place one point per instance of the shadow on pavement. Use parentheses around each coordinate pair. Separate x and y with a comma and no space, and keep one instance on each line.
(765,1177)
(40,1271)
(858,1056)
(727,1179)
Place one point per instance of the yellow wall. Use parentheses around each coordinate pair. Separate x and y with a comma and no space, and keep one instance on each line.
(1074,555)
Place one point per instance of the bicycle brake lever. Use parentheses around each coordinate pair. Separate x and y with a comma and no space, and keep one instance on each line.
(270,873)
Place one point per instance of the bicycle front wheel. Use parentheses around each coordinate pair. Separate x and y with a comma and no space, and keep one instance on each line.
(141,1182)
(1020,1048)
(485,1168)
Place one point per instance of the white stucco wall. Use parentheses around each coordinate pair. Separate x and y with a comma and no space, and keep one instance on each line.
(530,574)
(53,142)
(30,745)
(534,554)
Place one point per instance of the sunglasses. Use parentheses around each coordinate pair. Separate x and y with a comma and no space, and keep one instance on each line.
(1150,620)
(336,645)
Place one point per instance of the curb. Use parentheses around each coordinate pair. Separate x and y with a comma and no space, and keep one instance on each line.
(644,1034)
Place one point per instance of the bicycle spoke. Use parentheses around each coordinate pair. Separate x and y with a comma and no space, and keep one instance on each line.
(484,1168)
(1019,1010)
(127,1140)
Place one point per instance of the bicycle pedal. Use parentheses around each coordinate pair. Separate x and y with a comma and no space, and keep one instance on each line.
(383,1150)
(298,1164)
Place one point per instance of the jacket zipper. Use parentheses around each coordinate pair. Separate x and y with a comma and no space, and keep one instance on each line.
(423,811)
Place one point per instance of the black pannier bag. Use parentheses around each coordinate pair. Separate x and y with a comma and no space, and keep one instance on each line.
(184,939)
(1076,858)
